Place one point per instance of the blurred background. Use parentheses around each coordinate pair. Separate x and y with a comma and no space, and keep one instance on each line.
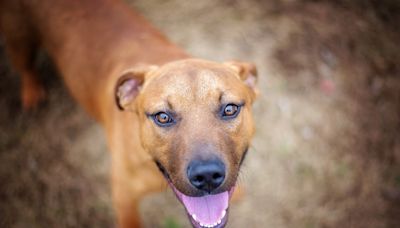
(327,148)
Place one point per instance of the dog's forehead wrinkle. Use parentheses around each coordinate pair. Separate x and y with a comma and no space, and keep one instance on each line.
(188,87)
(208,84)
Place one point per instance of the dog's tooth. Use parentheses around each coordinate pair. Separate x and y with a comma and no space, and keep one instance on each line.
(219,221)
(223,213)
(194,217)
(209,225)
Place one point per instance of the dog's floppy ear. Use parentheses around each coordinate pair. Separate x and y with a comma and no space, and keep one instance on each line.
(246,71)
(129,85)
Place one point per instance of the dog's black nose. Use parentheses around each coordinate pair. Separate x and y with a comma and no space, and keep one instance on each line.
(206,175)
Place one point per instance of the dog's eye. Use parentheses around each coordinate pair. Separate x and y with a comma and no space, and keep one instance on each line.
(163,119)
(230,111)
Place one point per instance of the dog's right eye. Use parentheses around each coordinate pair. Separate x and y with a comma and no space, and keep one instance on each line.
(163,119)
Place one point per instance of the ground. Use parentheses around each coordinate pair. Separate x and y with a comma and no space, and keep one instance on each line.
(327,148)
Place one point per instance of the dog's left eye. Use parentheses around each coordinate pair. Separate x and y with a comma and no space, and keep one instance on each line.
(163,119)
(230,111)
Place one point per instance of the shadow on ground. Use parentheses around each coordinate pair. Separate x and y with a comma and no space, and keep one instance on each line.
(327,149)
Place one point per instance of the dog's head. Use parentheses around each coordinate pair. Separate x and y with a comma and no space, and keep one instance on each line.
(196,122)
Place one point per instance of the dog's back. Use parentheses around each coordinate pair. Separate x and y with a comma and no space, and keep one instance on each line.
(90,42)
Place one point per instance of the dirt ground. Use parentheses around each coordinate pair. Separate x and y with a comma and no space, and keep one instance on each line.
(327,148)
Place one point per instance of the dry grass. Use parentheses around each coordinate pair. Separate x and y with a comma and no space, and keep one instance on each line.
(327,149)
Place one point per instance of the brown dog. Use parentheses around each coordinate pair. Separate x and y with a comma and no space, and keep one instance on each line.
(191,118)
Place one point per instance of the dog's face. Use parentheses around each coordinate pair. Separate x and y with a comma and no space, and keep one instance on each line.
(196,122)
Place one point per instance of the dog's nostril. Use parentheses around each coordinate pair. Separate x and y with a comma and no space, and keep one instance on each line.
(216,176)
(206,175)
(199,178)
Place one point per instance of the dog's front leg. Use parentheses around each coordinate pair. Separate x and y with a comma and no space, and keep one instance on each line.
(129,186)
(126,200)
(128,214)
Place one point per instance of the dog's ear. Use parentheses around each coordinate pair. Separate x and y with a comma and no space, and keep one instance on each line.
(129,85)
(246,71)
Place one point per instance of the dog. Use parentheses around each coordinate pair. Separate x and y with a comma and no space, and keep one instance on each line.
(161,109)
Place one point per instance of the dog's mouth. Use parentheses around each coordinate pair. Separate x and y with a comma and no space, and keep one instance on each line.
(208,211)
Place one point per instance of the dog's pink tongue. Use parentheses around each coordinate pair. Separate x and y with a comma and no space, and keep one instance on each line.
(207,209)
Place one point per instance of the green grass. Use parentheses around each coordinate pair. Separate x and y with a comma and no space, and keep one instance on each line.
(171,223)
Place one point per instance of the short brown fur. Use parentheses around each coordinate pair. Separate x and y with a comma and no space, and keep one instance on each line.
(92,44)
